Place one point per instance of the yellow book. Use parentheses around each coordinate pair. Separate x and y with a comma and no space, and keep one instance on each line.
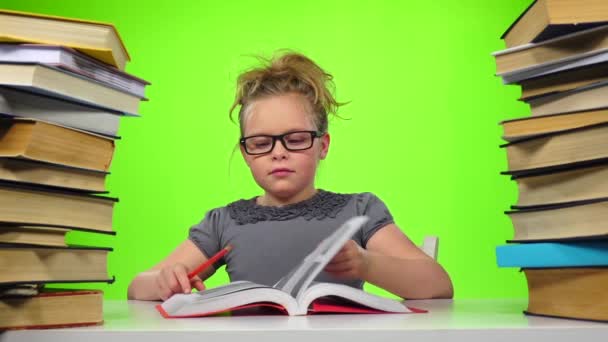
(32,235)
(38,206)
(531,126)
(546,19)
(558,149)
(577,292)
(37,264)
(24,171)
(41,141)
(96,39)
(52,308)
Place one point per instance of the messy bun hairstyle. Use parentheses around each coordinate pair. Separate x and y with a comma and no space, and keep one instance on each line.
(287,73)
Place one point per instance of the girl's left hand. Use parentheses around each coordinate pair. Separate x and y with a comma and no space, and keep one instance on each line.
(350,263)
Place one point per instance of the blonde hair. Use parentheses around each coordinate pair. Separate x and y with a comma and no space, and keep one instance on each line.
(287,73)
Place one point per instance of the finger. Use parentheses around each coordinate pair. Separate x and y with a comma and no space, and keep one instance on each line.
(340,257)
(341,272)
(197,283)
(172,283)
(182,279)
(339,267)
(163,291)
(165,279)
(338,260)
(343,249)
(345,252)
(348,245)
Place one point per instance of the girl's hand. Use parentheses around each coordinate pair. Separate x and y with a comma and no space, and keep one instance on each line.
(350,263)
(174,279)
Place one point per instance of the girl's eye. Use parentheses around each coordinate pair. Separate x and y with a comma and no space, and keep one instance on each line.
(295,141)
(261,144)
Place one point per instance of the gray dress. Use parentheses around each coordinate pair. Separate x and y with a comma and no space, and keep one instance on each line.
(269,241)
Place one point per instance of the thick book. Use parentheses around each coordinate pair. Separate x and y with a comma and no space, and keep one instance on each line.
(553,254)
(20,103)
(584,219)
(576,292)
(32,235)
(563,185)
(557,50)
(31,172)
(96,39)
(294,294)
(45,142)
(63,84)
(546,19)
(47,264)
(563,81)
(571,147)
(72,60)
(532,126)
(52,309)
(586,97)
(45,206)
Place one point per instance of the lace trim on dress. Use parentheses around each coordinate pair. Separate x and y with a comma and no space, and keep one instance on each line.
(322,205)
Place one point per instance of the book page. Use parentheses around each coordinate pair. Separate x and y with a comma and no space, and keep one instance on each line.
(349,299)
(201,304)
(300,277)
(223,290)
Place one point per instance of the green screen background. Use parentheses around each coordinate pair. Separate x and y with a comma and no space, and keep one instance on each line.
(422,130)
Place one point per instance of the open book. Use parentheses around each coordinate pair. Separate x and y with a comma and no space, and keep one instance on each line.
(294,294)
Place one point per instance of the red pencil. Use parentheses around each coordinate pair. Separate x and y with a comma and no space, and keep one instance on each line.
(209,262)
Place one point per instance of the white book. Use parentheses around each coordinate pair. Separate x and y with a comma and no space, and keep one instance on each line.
(20,103)
(554,67)
(582,48)
(62,84)
(294,294)
(74,61)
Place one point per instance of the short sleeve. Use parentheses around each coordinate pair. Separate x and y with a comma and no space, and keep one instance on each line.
(206,235)
(370,205)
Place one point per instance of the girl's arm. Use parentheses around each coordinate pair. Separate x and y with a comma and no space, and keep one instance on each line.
(171,275)
(395,264)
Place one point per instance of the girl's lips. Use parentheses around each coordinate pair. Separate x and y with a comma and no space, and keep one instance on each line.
(281,172)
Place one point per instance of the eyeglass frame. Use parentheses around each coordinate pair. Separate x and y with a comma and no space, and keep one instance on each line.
(280,137)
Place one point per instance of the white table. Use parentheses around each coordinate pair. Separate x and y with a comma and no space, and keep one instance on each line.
(447,320)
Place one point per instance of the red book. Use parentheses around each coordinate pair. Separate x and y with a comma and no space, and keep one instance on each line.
(246,298)
(294,294)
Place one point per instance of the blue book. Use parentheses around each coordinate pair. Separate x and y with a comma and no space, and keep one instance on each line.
(548,254)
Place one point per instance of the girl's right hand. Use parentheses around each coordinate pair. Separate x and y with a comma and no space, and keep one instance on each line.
(174,279)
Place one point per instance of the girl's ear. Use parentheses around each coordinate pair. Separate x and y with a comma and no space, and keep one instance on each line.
(324,146)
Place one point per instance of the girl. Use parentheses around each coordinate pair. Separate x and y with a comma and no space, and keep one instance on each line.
(283,113)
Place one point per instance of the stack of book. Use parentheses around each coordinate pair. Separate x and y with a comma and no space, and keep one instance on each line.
(557,51)
(63,90)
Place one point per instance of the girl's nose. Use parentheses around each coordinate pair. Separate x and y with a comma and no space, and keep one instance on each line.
(279,151)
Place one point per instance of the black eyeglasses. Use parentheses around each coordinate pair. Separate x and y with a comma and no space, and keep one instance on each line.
(292,141)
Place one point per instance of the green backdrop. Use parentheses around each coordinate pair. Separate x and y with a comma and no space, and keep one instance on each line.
(422,130)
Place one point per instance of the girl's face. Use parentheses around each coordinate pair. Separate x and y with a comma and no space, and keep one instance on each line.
(284,174)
